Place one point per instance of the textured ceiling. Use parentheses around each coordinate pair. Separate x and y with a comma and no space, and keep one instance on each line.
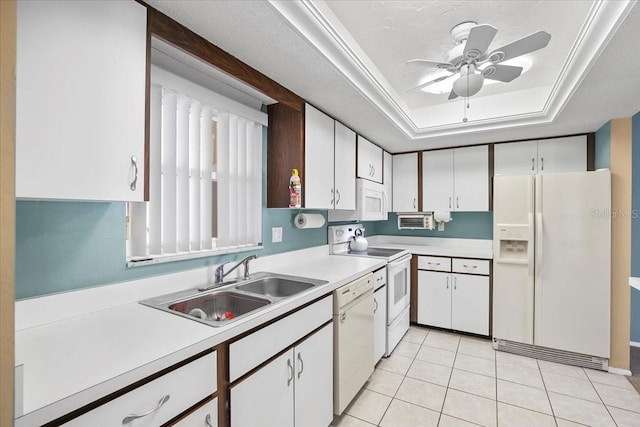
(383,35)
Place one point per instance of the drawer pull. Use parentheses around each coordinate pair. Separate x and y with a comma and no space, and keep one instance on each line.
(433,263)
(129,418)
(469,266)
(207,420)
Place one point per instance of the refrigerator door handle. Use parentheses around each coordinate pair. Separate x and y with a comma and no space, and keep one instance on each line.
(539,240)
(530,244)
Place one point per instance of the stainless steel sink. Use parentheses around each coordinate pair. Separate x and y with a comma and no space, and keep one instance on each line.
(219,308)
(231,301)
(275,287)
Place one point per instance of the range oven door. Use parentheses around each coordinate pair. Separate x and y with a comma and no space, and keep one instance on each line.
(398,281)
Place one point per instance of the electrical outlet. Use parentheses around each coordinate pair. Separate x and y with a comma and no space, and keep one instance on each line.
(441,226)
(276,234)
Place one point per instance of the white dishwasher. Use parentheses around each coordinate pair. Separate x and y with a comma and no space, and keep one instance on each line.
(353,308)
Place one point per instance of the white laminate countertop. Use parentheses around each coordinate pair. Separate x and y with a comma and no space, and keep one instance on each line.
(101,339)
(437,246)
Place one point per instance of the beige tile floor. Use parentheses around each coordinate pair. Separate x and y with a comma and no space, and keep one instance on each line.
(435,378)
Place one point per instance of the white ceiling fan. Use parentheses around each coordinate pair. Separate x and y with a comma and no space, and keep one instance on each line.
(472,61)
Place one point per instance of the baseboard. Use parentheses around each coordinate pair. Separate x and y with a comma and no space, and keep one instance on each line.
(619,371)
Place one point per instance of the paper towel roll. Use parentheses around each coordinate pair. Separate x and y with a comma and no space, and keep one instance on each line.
(442,216)
(309,220)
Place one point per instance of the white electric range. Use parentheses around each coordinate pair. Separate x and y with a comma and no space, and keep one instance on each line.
(397,281)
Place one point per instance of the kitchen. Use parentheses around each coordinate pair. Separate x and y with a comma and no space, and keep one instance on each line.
(104,219)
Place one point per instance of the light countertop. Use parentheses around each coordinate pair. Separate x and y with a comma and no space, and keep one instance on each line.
(75,360)
(77,347)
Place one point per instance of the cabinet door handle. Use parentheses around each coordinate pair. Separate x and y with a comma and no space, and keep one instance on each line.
(414,203)
(447,283)
(376,307)
(129,418)
(374,171)
(343,317)
(449,202)
(134,180)
(290,371)
(338,194)
(457,202)
(332,196)
(533,164)
(207,420)
(301,365)
(455,283)
(542,163)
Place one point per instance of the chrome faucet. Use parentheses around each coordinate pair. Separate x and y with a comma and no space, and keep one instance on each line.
(220,274)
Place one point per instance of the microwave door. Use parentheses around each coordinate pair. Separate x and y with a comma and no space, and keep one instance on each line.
(373,204)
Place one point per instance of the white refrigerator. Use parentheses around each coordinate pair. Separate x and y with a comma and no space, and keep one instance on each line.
(552,261)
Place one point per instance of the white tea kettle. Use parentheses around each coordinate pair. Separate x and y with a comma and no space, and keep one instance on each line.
(359,243)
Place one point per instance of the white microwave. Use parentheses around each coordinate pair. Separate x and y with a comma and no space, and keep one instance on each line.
(371,204)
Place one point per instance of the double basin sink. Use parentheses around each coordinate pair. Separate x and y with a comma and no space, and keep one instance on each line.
(233,300)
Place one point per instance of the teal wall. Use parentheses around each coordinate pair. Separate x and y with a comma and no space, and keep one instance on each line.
(63,246)
(603,146)
(464,225)
(635,226)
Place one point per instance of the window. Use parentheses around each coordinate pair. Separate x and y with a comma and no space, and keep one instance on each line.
(205,172)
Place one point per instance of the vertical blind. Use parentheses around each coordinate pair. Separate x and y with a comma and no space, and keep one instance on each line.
(177,219)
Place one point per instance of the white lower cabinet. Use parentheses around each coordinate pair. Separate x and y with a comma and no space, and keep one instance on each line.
(452,300)
(379,323)
(158,401)
(204,416)
(434,299)
(470,304)
(294,389)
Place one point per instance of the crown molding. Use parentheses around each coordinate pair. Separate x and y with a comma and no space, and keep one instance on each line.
(315,22)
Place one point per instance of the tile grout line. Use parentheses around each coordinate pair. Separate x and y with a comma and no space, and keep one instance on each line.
(601,399)
(546,391)
(446,390)
(495,367)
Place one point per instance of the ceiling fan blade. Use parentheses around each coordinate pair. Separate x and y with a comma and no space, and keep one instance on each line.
(431,64)
(480,37)
(502,73)
(525,45)
(423,85)
(452,95)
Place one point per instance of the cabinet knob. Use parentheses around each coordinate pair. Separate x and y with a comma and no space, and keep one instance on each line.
(134,179)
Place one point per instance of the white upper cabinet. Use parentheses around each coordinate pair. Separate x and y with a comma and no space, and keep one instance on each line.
(369,160)
(80,100)
(345,167)
(456,179)
(562,154)
(387,179)
(471,178)
(437,180)
(568,154)
(319,190)
(405,182)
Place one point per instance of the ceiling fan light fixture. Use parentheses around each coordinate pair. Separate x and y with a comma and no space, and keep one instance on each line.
(468,85)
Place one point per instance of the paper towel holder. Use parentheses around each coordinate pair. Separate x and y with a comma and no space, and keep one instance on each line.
(307,220)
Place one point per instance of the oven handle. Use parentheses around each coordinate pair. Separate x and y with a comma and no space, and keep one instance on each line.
(405,259)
